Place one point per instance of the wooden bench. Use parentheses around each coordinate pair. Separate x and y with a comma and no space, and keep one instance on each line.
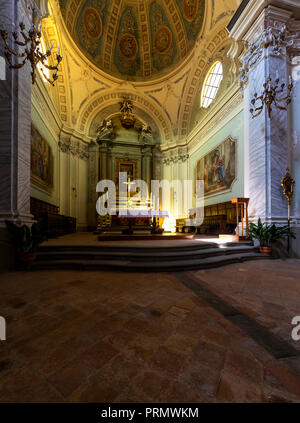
(56,224)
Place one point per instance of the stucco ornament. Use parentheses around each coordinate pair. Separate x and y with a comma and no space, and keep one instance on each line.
(274,39)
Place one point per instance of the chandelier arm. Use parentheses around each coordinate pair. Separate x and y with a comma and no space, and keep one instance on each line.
(11,51)
(27,39)
(254,115)
(18,66)
(41,57)
(47,78)
(279,92)
(32,53)
(18,42)
(262,100)
(50,67)
(280,107)
(259,108)
(282,99)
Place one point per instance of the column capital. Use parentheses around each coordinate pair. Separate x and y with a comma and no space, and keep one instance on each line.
(249,19)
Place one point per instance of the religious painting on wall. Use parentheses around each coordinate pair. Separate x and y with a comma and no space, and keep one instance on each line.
(218,169)
(128,166)
(41,162)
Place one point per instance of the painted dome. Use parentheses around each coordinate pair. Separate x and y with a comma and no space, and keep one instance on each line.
(134,39)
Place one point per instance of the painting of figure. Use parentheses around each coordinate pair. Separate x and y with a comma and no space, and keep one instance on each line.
(128,166)
(41,161)
(218,168)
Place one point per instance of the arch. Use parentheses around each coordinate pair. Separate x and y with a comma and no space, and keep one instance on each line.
(111,97)
(213,44)
(113,111)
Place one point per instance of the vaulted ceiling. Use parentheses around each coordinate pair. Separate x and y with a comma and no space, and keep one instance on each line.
(134,39)
(155,52)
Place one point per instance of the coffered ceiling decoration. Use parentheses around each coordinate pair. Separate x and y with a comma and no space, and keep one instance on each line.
(134,39)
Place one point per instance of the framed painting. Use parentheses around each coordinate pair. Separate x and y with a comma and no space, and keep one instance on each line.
(218,169)
(41,162)
(128,166)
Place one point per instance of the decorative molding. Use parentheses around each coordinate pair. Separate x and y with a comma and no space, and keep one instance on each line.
(139,100)
(64,146)
(271,41)
(76,148)
(178,158)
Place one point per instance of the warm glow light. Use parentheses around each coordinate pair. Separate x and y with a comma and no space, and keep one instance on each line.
(41,67)
(169,225)
(214,240)
(211,84)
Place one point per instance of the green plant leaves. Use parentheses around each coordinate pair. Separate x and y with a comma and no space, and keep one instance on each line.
(27,239)
(268,234)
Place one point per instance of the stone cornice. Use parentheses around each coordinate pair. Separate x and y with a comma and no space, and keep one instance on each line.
(76,148)
(213,122)
(254,9)
(173,159)
(231,101)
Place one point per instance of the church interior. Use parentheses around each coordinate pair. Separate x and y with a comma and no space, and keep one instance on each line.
(150,201)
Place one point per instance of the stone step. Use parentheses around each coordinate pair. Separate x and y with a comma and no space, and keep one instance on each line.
(149,248)
(142,254)
(141,266)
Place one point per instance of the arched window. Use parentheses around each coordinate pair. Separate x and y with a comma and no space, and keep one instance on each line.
(211,84)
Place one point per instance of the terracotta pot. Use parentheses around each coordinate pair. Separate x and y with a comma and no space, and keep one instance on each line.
(27,258)
(265,250)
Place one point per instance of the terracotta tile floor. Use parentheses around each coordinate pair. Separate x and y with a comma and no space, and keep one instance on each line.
(117,337)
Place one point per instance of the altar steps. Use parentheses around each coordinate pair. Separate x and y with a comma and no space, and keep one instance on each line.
(144,259)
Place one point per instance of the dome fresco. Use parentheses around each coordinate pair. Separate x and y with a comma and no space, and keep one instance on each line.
(133,39)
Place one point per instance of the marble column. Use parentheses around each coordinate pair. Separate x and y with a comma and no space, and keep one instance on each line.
(93,175)
(103,156)
(15,124)
(146,167)
(268,140)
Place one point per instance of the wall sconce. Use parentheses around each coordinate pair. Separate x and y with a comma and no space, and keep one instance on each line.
(31,41)
(271,96)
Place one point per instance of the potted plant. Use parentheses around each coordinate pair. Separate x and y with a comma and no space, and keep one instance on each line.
(27,239)
(268,234)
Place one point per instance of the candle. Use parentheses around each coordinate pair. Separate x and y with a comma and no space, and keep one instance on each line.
(59,50)
(40,27)
(277,75)
(290,80)
(51,47)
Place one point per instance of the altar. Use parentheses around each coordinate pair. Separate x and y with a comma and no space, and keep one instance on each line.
(130,221)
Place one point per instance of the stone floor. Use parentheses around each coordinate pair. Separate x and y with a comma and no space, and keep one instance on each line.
(120,337)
